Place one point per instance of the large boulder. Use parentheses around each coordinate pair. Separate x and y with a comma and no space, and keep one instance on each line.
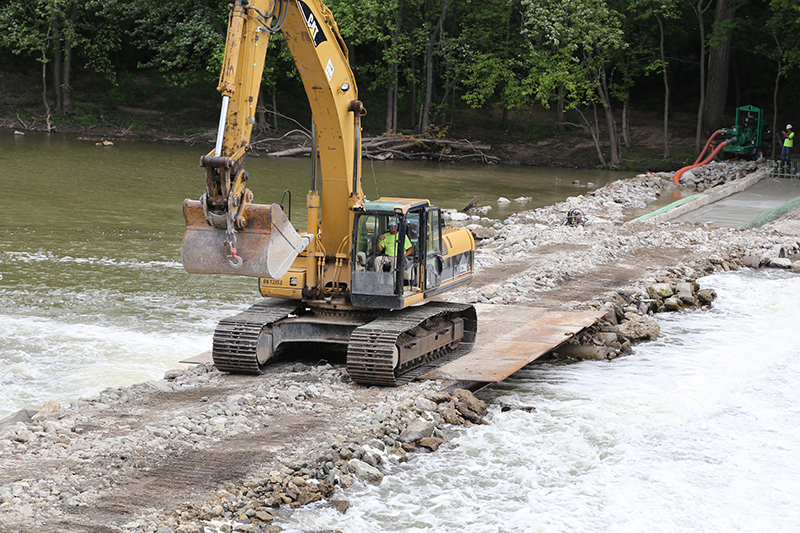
(416,430)
(638,328)
(366,472)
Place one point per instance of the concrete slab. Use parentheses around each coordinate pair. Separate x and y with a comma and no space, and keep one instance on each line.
(733,211)
(676,209)
(510,337)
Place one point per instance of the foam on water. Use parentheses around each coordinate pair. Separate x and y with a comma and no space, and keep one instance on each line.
(40,256)
(46,359)
(72,325)
(697,431)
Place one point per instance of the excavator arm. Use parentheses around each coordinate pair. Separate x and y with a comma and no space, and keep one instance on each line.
(225,232)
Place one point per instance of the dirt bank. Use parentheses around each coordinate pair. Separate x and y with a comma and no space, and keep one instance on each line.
(201,448)
(550,146)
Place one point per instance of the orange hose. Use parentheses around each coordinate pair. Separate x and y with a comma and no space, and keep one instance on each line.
(700,156)
(717,150)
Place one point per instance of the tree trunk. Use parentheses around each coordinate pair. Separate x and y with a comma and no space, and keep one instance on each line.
(67,77)
(413,104)
(275,107)
(261,116)
(391,103)
(453,108)
(779,65)
(665,77)
(611,122)
(775,138)
(215,23)
(58,64)
(626,123)
(392,92)
(44,88)
(699,10)
(613,138)
(424,121)
(719,61)
(426,107)
(594,131)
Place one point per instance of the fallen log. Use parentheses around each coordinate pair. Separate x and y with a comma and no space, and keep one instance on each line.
(475,202)
(302,150)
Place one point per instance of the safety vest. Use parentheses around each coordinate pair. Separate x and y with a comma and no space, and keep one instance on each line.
(390,244)
(789,141)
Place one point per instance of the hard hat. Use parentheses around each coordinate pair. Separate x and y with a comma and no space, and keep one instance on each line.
(788,126)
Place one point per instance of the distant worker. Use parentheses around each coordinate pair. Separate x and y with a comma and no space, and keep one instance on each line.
(387,244)
(788,143)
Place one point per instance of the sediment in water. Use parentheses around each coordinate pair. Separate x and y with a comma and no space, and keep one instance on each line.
(306,430)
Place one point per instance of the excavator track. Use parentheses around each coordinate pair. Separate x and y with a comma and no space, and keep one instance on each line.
(235,347)
(375,352)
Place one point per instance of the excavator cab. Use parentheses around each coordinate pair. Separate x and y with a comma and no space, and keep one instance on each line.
(396,252)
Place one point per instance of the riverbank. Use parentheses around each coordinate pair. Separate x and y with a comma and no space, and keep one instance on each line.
(471,141)
(201,448)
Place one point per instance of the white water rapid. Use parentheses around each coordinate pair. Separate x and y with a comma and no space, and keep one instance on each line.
(698,431)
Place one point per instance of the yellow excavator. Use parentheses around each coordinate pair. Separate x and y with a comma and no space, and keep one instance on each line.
(364,273)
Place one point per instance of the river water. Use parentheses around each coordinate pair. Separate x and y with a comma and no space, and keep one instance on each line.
(698,431)
(92,292)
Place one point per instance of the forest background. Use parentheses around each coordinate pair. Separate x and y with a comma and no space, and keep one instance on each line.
(636,84)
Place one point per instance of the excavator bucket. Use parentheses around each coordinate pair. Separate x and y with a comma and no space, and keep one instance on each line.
(267,245)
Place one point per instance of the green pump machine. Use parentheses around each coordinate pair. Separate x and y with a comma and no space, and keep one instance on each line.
(751,137)
(748,139)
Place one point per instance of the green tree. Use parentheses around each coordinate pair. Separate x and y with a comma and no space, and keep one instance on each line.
(182,39)
(571,47)
(380,39)
(44,29)
(781,47)
(489,56)
(643,12)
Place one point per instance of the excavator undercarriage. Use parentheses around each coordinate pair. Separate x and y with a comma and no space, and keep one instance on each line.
(382,347)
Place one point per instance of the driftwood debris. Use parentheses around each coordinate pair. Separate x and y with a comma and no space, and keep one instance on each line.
(292,152)
(297,143)
(408,147)
(475,202)
(413,147)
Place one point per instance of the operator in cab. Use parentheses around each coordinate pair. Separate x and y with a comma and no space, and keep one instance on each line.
(387,245)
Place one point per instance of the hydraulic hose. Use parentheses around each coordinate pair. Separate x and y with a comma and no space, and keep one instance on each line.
(717,150)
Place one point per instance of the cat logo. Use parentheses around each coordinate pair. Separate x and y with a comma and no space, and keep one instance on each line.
(317,35)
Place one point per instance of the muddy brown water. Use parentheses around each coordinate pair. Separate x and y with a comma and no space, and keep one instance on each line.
(92,291)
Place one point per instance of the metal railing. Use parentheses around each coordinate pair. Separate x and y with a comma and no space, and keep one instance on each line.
(777,169)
